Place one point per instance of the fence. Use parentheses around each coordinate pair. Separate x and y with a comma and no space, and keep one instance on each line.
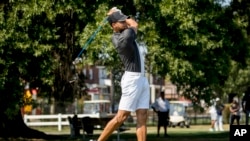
(58,120)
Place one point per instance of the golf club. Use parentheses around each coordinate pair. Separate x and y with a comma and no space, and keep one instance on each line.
(90,39)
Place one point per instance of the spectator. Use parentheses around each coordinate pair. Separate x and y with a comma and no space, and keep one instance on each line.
(161,107)
(219,109)
(246,104)
(234,112)
(213,115)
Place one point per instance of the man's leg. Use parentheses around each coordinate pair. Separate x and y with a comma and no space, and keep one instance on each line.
(165,123)
(247,116)
(232,118)
(158,128)
(238,120)
(165,130)
(113,124)
(216,123)
(159,124)
(213,122)
(221,123)
(141,129)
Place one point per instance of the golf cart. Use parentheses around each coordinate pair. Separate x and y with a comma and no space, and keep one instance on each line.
(178,114)
(97,108)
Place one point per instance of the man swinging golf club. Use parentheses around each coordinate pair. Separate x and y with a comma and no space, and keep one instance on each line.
(134,84)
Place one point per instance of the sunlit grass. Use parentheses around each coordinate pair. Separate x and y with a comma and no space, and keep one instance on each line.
(194,133)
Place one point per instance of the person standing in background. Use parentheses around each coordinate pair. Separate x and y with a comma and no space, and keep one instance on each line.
(27,99)
(246,104)
(234,112)
(219,109)
(213,115)
(161,107)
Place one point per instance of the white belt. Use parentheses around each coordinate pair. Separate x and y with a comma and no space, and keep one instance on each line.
(134,73)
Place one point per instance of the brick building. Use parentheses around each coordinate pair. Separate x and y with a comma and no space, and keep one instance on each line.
(99,83)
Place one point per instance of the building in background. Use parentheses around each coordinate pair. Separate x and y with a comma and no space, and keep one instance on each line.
(99,87)
(99,83)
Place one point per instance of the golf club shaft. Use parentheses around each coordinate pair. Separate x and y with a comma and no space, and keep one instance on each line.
(92,36)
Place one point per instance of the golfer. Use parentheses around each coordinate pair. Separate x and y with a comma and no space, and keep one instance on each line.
(134,84)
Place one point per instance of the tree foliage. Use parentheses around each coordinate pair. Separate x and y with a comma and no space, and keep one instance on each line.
(202,46)
(195,44)
(39,40)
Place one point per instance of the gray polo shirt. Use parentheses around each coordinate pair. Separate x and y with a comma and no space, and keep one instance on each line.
(128,50)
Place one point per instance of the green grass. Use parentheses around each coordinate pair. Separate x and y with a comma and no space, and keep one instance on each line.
(194,133)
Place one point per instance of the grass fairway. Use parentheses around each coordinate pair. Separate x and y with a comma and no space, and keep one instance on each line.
(194,133)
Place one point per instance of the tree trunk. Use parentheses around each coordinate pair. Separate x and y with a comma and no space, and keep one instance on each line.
(15,127)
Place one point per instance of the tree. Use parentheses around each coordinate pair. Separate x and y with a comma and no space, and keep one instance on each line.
(40,39)
(198,44)
(194,44)
(16,59)
(238,81)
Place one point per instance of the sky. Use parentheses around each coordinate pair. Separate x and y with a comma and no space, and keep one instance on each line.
(226,2)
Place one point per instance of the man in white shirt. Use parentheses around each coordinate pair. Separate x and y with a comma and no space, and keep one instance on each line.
(213,116)
(161,107)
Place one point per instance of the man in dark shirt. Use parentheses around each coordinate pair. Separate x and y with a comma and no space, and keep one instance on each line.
(246,104)
(135,87)
(219,110)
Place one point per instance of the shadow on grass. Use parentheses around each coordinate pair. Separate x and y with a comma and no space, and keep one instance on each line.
(198,136)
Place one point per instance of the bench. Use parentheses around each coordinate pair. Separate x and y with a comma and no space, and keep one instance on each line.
(89,124)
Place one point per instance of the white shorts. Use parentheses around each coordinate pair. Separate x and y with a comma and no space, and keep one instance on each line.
(135,92)
(213,116)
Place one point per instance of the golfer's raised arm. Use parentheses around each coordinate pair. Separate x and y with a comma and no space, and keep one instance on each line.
(132,24)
